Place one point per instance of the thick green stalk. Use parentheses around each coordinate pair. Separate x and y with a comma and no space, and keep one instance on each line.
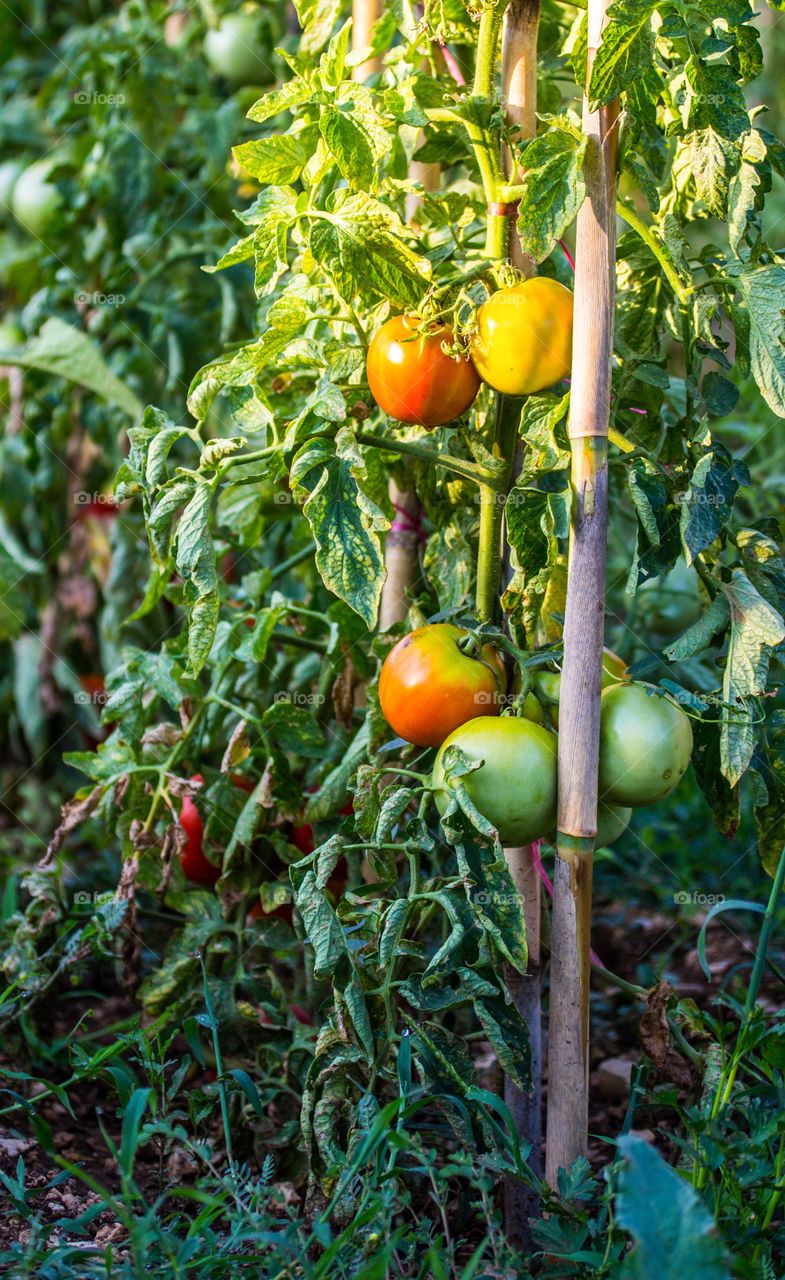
(489,561)
(628,215)
(460,466)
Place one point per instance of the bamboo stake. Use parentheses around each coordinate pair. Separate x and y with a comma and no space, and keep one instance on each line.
(519,99)
(364,14)
(400,556)
(519,93)
(579,707)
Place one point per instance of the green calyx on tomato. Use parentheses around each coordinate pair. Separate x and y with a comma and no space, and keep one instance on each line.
(645,745)
(547,688)
(429,686)
(523,341)
(413,379)
(515,787)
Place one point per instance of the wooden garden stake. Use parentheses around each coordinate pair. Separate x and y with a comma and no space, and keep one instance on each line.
(364,14)
(519,93)
(579,706)
(519,99)
(401,548)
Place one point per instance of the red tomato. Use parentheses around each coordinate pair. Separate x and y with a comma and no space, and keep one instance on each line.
(284,912)
(413,380)
(92,684)
(303,838)
(103,509)
(196,867)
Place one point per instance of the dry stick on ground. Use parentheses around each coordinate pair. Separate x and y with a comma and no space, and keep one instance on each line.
(519,98)
(579,707)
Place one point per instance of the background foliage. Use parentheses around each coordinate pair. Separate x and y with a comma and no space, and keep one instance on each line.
(188,334)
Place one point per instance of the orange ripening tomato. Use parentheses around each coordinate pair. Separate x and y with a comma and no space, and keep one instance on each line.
(524,337)
(428,686)
(413,380)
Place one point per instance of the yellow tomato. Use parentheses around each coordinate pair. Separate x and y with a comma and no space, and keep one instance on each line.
(524,337)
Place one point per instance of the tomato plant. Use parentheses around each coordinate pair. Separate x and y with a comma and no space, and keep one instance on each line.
(360,334)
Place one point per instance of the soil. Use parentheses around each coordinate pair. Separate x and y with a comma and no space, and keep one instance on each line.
(624,940)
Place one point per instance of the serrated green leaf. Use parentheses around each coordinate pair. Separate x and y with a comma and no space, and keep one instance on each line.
(763,292)
(553,190)
(626,50)
(701,633)
(345,524)
(362,246)
(509,1035)
(349,145)
(706,506)
(673,1232)
(294,93)
(278,160)
(714,160)
(756,628)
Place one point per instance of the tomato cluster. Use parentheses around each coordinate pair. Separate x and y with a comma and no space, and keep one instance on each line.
(523,343)
(441,687)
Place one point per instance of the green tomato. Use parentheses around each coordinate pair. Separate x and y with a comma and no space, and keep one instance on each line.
(234,50)
(645,745)
(612,820)
(515,789)
(9,172)
(671,603)
(10,335)
(35,199)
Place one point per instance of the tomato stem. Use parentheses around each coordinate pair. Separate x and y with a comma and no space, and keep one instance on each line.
(460,466)
(489,555)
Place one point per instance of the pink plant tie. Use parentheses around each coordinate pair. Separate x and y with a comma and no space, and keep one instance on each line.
(451,65)
(405,522)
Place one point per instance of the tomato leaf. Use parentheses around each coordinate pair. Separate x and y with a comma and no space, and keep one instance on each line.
(360,244)
(674,1234)
(345,523)
(763,293)
(627,49)
(509,1035)
(277,160)
(708,502)
(553,190)
(756,628)
(714,160)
